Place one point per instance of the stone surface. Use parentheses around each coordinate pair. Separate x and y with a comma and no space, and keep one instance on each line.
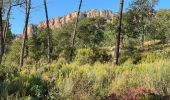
(31,29)
(60,21)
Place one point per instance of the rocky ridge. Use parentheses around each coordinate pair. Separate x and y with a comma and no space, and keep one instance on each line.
(60,21)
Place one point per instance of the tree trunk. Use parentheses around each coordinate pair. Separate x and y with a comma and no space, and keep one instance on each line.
(25,37)
(48,32)
(75,33)
(28,4)
(142,40)
(117,47)
(6,26)
(1,33)
(121,40)
(142,37)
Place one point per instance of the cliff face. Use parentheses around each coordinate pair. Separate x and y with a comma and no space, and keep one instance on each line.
(99,13)
(59,22)
(31,29)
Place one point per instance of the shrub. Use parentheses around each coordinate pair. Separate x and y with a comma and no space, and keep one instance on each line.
(102,56)
(36,87)
(84,56)
(87,82)
(153,56)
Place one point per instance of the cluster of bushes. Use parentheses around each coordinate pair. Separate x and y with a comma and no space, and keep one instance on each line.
(89,56)
(14,85)
(61,80)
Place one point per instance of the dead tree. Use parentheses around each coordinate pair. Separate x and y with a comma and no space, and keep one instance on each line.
(1,32)
(48,32)
(25,37)
(6,24)
(118,35)
(75,33)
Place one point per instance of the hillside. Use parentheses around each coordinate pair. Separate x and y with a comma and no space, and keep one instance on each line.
(85,55)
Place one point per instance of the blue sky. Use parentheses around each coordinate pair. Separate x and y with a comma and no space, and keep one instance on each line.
(62,7)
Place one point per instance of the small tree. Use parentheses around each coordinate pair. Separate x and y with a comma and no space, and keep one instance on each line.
(117,46)
(74,32)
(10,4)
(48,32)
(25,37)
(142,10)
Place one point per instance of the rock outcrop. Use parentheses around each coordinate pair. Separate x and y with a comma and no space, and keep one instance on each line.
(59,22)
(31,29)
(99,13)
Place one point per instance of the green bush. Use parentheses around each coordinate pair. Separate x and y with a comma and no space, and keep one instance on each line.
(36,87)
(154,56)
(102,56)
(84,56)
(86,82)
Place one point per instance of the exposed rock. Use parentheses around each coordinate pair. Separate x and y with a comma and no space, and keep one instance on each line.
(31,29)
(100,13)
(59,22)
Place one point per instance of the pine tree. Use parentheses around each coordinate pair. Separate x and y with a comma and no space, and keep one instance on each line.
(75,32)
(25,37)
(119,28)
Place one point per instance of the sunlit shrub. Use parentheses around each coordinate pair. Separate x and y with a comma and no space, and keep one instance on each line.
(84,56)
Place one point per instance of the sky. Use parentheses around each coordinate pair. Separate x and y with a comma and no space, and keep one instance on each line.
(58,8)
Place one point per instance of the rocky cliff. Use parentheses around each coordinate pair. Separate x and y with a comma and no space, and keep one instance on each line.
(60,21)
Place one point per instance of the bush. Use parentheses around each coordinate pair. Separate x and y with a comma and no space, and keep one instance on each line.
(87,83)
(102,56)
(72,81)
(84,56)
(36,87)
(154,56)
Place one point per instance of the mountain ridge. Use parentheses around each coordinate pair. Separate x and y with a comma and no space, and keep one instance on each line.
(58,22)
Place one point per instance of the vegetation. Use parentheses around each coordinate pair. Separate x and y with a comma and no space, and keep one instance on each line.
(48,73)
(60,80)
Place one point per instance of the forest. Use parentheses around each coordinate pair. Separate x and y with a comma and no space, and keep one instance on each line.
(91,58)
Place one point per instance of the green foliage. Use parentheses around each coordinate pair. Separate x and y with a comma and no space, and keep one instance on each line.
(61,80)
(9,39)
(61,40)
(84,56)
(91,75)
(90,34)
(13,85)
(102,56)
(81,83)
(12,57)
(36,87)
(155,56)
(38,45)
(162,25)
